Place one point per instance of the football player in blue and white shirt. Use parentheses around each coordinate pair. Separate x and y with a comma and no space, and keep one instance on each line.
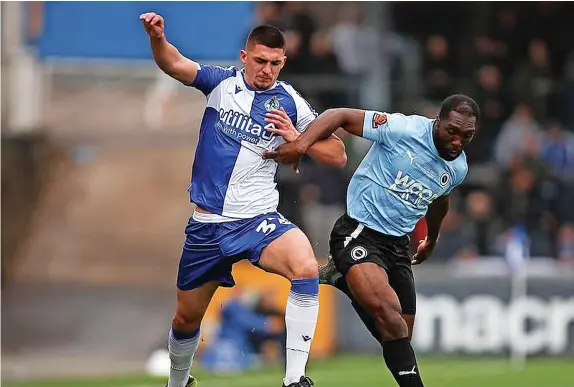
(248,112)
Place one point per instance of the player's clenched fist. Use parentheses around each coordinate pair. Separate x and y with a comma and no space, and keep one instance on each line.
(153,24)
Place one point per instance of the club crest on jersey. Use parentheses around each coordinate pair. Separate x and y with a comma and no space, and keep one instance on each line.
(272,103)
(379,119)
(444,179)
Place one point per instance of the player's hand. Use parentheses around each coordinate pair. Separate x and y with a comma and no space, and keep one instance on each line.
(153,24)
(286,154)
(424,251)
(283,125)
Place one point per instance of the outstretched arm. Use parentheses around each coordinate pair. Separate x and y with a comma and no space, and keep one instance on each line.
(329,151)
(328,122)
(165,54)
(319,136)
(383,128)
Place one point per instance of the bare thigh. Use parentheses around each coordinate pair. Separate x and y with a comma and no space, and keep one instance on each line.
(290,256)
(192,305)
(369,285)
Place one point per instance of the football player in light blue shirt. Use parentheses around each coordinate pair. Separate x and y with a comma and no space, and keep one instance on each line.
(408,173)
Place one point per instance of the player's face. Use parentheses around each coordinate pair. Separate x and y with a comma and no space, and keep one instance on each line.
(262,65)
(453,134)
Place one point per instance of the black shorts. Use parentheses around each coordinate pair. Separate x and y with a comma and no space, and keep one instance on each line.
(352,243)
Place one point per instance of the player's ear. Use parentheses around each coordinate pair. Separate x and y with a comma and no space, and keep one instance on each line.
(243,56)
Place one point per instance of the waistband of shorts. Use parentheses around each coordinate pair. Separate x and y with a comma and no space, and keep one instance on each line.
(203,217)
(378,234)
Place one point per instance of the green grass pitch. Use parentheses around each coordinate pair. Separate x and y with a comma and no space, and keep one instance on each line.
(366,371)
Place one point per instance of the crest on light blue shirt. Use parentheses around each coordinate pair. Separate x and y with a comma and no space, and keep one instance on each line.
(444,178)
(272,103)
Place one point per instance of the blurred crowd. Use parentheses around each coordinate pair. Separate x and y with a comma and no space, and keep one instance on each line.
(516,60)
(250,333)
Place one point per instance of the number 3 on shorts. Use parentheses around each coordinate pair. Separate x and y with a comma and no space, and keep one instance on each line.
(267,227)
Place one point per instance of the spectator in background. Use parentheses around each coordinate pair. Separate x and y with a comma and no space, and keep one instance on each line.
(269,12)
(232,349)
(565,243)
(481,226)
(557,151)
(522,201)
(438,69)
(270,344)
(507,37)
(300,28)
(534,79)
(494,104)
(551,21)
(453,242)
(493,101)
(518,133)
(324,60)
(483,52)
(355,46)
(322,203)
(566,94)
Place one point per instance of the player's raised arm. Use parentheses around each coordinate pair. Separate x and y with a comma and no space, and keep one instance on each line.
(165,54)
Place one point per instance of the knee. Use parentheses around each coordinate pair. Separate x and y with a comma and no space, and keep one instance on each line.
(304,270)
(183,322)
(389,319)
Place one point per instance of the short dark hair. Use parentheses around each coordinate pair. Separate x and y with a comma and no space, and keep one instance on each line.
(266,35)
(459,103)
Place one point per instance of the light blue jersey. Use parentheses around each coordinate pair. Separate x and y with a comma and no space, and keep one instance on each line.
(401,174)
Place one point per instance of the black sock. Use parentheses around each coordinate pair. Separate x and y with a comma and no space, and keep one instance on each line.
(401,361)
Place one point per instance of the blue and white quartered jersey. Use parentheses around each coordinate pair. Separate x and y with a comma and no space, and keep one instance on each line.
(401,174)
(229,177)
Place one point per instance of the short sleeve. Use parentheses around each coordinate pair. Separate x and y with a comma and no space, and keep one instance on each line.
(305,114)
(208,77)
(384,128)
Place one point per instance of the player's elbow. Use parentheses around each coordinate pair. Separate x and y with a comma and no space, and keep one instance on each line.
(341,156)
(338,156)
(340,161)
